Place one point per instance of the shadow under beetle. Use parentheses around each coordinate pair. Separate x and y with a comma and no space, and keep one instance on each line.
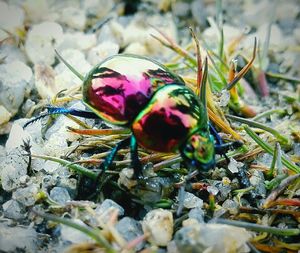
(163,114)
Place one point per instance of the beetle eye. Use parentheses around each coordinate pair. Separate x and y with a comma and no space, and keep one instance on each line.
(189,148)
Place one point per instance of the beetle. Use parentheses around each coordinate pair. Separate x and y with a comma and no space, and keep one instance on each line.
(163,114)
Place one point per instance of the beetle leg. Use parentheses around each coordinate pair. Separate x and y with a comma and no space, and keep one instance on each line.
(220,147)
(214,132)
(107,163)
(135,161)
(61,110)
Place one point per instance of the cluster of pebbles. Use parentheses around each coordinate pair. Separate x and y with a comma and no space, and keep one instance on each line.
(85,33)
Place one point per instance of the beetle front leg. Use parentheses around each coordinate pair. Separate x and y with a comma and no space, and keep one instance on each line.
(220,147)
(135,161)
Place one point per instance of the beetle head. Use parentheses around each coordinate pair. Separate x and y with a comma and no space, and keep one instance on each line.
(199,152)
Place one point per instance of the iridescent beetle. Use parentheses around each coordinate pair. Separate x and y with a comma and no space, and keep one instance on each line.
(163,114)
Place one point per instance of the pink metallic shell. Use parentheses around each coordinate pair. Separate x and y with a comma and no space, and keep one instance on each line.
(121,86)
(171,116)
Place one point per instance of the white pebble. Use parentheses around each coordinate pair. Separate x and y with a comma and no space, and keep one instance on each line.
(74,235)
(44,77)
(10,176)
(158,223)
(234,165)
(41,41)
(102,51)
(64,77)
(11,17)
(73,17)
(192,201)
(4,115)
(77,40)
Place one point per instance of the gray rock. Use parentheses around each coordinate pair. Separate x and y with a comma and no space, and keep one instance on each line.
(231,206)
(12,209)
(18,239)
(129,230)
(73,17)
(197,214)
(11,17)
(192,201)
(107,207)
(257,180)
(15,80)
(60,195)
(158,223)
(26,196)
(74,235)
(12,168)
(200,237)
(41,41)
(10,53)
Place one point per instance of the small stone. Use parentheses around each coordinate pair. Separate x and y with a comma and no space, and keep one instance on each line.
(192,201)
(197,214)
(102,51)
(287,10)
(26,196)
(74,235)
(64,78)
(16,137)
(172,248)
(15,80)
(50,167)
(181,8)
(18,238)
(98,8)
(234,165)
(60,195)
(12,168)
(27,106)
(136,48)
(41,41)
(158,223)
(77,40)
(44,77)
(225,98)
(130,229)
(212,190)
(5,115)
(70,184)
(257,180)
(24,179)
(10,53)
(107,208)
(202,237)
(199,12)
(73,17)
(11,17)
(125,178)
(38,11)
(231,206)
(12,209)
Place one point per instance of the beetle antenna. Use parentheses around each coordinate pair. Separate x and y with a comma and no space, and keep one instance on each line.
(50,111)
(61,110)
(74,71)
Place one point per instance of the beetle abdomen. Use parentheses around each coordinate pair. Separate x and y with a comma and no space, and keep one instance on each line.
(170,117)
(121,86)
